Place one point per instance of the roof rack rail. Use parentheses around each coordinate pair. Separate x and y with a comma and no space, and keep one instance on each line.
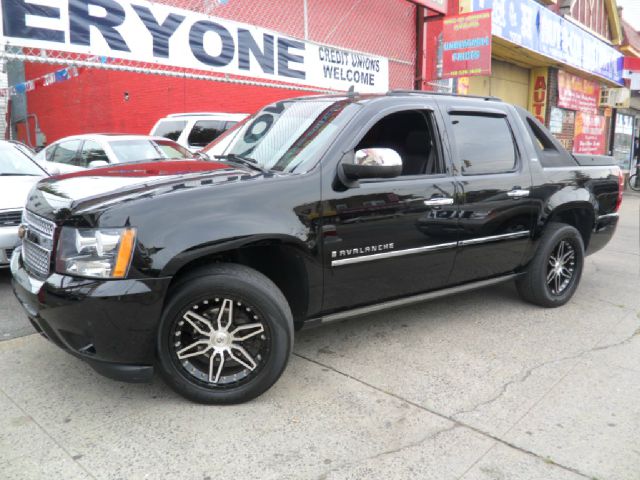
(425,92)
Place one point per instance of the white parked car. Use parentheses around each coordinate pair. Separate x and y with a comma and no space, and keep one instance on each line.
(18,173)
(78,152)
(195,130)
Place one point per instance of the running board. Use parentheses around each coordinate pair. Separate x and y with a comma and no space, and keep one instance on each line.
(401,302)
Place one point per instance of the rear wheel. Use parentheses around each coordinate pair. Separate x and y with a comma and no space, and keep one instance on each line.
(554,273)
(225,335)
(634,182)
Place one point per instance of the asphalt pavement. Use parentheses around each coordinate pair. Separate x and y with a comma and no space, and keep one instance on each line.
(478,386)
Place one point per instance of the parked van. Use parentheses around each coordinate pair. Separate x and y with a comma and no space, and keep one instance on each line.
(195,130)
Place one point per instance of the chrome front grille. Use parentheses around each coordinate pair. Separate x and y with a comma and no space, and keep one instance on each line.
(36,259)
(37,244)
(10,218)
(42,225)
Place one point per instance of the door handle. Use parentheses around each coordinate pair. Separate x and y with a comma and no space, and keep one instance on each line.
(439,202)
(518,193)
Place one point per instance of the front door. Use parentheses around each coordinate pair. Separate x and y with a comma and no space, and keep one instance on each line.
(389,238)
(496,212)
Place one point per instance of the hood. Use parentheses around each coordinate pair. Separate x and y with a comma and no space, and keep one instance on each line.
(14,190)
(91,188)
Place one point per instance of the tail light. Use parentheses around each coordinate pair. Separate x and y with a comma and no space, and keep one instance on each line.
(620,189)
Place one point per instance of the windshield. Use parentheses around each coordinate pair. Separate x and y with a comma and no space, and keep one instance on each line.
(287,136)
(135,150)
(14,162)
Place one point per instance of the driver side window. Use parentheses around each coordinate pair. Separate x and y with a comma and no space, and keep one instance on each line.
(411,134)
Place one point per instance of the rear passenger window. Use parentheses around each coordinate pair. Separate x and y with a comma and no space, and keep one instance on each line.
(170,129)
(205,131)
(484,143)
(539,138)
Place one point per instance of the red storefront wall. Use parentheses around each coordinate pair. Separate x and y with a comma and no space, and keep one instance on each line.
(95,100)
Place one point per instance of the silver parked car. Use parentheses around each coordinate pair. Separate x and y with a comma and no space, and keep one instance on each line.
(18,173)
(78,152)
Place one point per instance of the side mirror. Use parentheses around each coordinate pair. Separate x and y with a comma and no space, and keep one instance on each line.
(98,163)
(200,155)
(373,163)
(52,168)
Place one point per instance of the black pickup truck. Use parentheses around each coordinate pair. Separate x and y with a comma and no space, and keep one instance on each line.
(312,210)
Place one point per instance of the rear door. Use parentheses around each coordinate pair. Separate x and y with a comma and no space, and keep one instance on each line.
(496,210)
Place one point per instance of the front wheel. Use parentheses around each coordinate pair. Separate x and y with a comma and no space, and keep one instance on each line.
(225,335)
(634,182)
(553,274)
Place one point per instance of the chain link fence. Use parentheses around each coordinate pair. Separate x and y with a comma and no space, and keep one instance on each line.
(320,21)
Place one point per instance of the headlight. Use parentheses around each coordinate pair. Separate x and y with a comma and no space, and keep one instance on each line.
(99,253)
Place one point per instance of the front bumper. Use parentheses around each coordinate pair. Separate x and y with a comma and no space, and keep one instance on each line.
(8,241)
(603,230)
(111,324)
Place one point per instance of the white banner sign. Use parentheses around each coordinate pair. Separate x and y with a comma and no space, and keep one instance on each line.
(148,32)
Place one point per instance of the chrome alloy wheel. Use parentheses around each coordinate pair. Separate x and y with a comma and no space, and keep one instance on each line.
(221,342)
(561,267)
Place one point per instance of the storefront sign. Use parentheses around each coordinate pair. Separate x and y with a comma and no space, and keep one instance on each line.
(538,93)
(439,6)
(466,44)
(462,87)
(590,134)
(154,33)
(556,119)
(528,24)
(577,93)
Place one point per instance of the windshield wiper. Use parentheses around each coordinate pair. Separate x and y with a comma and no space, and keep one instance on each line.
(241,159)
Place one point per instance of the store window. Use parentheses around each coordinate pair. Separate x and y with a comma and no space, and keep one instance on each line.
(623,140)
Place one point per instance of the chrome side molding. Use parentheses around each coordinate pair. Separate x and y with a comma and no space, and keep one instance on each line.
(494,238)
(395,253)
(428,248)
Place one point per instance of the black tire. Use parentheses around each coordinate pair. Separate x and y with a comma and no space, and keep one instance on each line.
(251,295)
(533,285)
(634,182)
